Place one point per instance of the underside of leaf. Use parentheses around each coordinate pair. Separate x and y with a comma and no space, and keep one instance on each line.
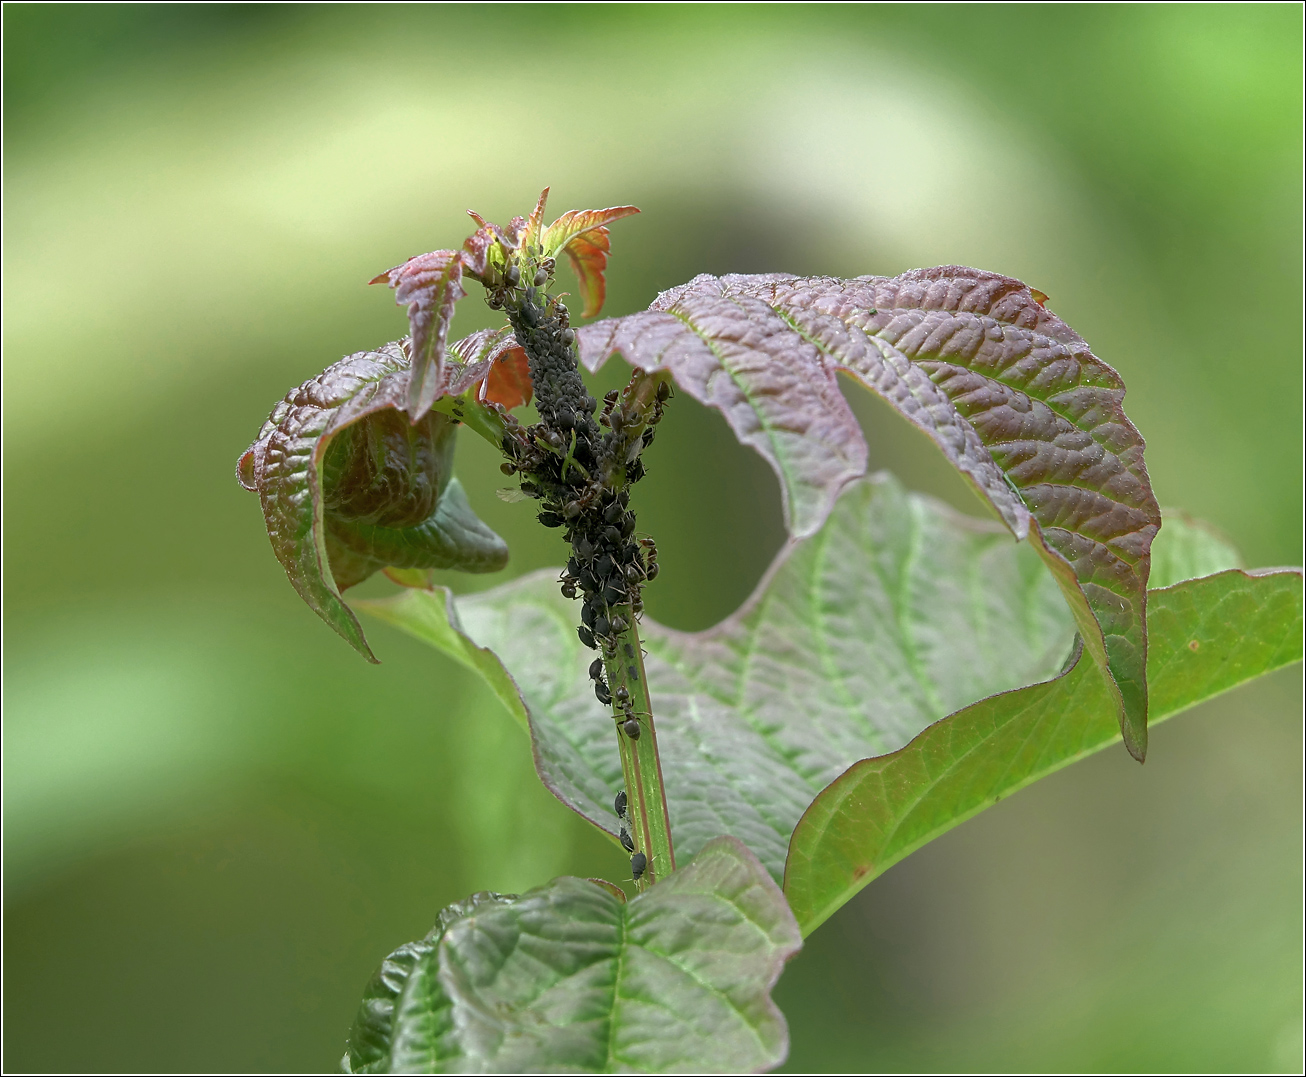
(1009,393)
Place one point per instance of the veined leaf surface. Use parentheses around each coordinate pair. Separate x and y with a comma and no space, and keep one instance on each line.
(896,614)
(1209,635)
(572,978)
(349,486)
(1011,395)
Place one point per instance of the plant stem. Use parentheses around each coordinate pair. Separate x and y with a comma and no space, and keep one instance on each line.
(583,476)
(640,763)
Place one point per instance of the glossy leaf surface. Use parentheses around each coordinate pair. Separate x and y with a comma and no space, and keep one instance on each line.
(896,613)
(349,486)
(572,978)
(1010,394)
(1208,635)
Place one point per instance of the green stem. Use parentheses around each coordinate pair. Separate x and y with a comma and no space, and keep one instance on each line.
(646,804)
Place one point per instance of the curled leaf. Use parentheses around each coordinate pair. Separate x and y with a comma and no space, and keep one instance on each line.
(498,365)
(1010,394)
(429,285)
(485,248)
(350,486)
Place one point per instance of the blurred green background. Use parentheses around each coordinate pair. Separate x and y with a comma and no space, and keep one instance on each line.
(218,819)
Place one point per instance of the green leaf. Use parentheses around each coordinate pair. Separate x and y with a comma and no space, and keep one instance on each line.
(1208,635)
(1010,394)
(571,977)
(1187,548)
(349,486)
(896,613)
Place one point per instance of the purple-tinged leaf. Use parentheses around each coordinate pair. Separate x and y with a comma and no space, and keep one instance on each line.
(429,286)
(525,231)
(484,248)
(350,486)
(1011,395)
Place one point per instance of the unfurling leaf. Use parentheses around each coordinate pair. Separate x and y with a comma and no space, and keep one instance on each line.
(349,486)
(572,978)
(858,640)
(429,286)
(1012,396)
(582,235)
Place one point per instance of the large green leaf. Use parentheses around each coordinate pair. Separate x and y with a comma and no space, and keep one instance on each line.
(1208,635)
(572,978)
(1010,394)
(898,612)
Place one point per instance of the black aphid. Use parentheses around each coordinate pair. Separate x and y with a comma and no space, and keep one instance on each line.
(586,636)
(596,673)
(627,842)
(638,863)
(601,691)
(619,804)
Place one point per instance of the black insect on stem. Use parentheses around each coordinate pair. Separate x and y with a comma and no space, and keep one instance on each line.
(582,469)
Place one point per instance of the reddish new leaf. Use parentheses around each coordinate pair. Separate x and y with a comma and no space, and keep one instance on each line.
(1012,396)
(480,248)
(585,239)
(429,285)
(497,365)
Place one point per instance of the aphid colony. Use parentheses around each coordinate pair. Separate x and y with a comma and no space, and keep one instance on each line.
(581,469)
(628,717)
(638,861)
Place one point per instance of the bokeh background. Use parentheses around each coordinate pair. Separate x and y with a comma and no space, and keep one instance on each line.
(218,819)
